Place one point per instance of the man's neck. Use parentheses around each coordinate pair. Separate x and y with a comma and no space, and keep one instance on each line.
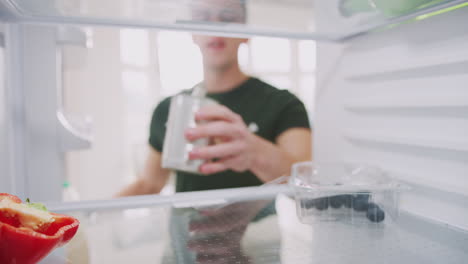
(218,81)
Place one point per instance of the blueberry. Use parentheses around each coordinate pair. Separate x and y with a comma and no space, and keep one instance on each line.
(309,203)
(337,201)
(321,203)
(375,214)
(348,201)
(360,205)
(361,202)
(362,196)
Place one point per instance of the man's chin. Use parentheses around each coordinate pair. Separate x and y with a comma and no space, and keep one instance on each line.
(219,66)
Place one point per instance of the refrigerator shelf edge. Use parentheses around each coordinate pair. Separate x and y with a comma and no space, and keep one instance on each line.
(338,28)
(187,199)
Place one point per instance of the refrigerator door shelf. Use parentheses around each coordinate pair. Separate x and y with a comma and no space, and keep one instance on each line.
(72,137)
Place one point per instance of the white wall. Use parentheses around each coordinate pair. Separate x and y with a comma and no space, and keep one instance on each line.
(93,87)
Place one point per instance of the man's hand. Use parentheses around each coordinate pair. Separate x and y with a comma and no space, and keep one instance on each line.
(234,146)
(238,149)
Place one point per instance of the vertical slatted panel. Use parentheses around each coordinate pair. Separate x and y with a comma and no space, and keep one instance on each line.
(399,99)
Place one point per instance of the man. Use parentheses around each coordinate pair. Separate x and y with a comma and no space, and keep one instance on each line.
(261,130)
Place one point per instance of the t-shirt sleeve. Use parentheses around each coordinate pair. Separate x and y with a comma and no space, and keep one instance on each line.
(292,115)
(158,125)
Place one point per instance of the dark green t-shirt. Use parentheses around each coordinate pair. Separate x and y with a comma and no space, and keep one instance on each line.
(261,105)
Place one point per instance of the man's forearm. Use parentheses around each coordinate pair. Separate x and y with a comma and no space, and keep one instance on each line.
(270,161)
(139,187)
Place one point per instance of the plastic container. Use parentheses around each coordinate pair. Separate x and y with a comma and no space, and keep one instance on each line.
(345,193)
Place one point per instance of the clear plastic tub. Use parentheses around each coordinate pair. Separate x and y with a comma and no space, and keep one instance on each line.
(345,193)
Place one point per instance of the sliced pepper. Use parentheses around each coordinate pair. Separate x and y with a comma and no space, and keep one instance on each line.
(28,233)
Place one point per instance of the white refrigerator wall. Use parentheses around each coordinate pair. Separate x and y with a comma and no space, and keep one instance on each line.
(5,180)
(35,151)
(399,99)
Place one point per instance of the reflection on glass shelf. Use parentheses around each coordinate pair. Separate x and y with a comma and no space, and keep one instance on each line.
(305,19)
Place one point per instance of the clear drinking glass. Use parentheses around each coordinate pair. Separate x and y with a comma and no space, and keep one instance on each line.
(176,147)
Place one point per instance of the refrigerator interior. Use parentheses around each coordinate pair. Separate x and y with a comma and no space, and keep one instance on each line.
(390,92)
(35,48)
(133,69)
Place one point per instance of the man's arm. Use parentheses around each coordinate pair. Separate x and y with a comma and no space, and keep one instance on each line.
(274,160)
(242,150)
(153,179)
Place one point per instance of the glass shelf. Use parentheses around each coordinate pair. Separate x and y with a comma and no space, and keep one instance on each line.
(246,225)
(331,20)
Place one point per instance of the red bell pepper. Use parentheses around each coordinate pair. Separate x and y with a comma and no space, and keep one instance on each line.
(23,244)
